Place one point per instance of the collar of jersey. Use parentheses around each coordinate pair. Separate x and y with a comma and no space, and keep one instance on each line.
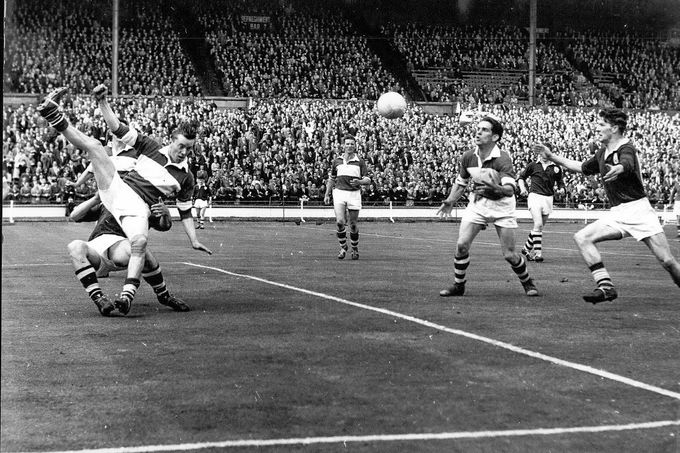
(495,152)
(184,165)
(625,141)
(355,158)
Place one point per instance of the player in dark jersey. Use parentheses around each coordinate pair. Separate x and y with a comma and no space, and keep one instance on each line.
(616,161)
(129,201)
(202,198)
(490,202)
(544,177)
(107,249)
(348,173)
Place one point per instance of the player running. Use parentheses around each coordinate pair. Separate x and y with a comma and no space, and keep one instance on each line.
(544,176)
(631,214)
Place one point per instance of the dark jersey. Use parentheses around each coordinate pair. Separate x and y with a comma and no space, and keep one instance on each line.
(543,179)
(628,186)
(106,222)
(154,175)
(202,192)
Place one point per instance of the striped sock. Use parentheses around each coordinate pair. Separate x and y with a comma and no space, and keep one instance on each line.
(342,237)
(601,276)
(529,244)
(354,239)
(460,264)
(88,278)
(538,242)
(521,269)
(130,288)
(155,279)
(55,117)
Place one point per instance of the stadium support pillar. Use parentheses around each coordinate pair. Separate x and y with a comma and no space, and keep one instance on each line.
(114,51)
(532,52)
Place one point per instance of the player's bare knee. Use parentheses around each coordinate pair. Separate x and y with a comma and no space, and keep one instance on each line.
(77,248)
(580,238)
(340,224)
(462,249)
(138,244)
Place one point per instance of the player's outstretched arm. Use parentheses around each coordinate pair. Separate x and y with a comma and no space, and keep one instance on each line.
(100,92)
(569,164)
(190,230)
(447,205)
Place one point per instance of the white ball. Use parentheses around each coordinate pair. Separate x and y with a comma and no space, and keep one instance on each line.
(391,105)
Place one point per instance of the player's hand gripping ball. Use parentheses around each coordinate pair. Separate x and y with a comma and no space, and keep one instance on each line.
(488,175)
(391,105)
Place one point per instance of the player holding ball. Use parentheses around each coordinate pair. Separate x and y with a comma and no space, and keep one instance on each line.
(492,201)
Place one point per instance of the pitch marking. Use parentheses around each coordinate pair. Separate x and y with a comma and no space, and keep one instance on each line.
(500,344)
(380,438)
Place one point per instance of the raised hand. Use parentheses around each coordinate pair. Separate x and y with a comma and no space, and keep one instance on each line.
(99,92)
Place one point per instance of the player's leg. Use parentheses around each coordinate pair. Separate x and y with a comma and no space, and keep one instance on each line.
(102,165)
(136,228)
(461,259)
(153,275)
(659,246)
(353,215)
(85,262)
(506,236)
(538,237)
(586,239)
(528,247)
(201,218)
(340,208)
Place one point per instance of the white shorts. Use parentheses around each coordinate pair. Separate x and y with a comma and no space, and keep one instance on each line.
(351,199)
(101,245)
(543,203)
(483,211)
(200,204)
(122,201)
(676,208)
(635,218)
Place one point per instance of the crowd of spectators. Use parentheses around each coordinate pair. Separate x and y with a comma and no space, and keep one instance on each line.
(454,49)
(301,52)
(311,49)
(645,70)
(281,149)
(69,43)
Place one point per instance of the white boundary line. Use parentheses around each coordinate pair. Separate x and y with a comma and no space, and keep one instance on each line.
(500,344)
(380,438)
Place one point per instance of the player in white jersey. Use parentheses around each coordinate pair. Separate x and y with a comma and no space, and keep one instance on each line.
(348,173)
